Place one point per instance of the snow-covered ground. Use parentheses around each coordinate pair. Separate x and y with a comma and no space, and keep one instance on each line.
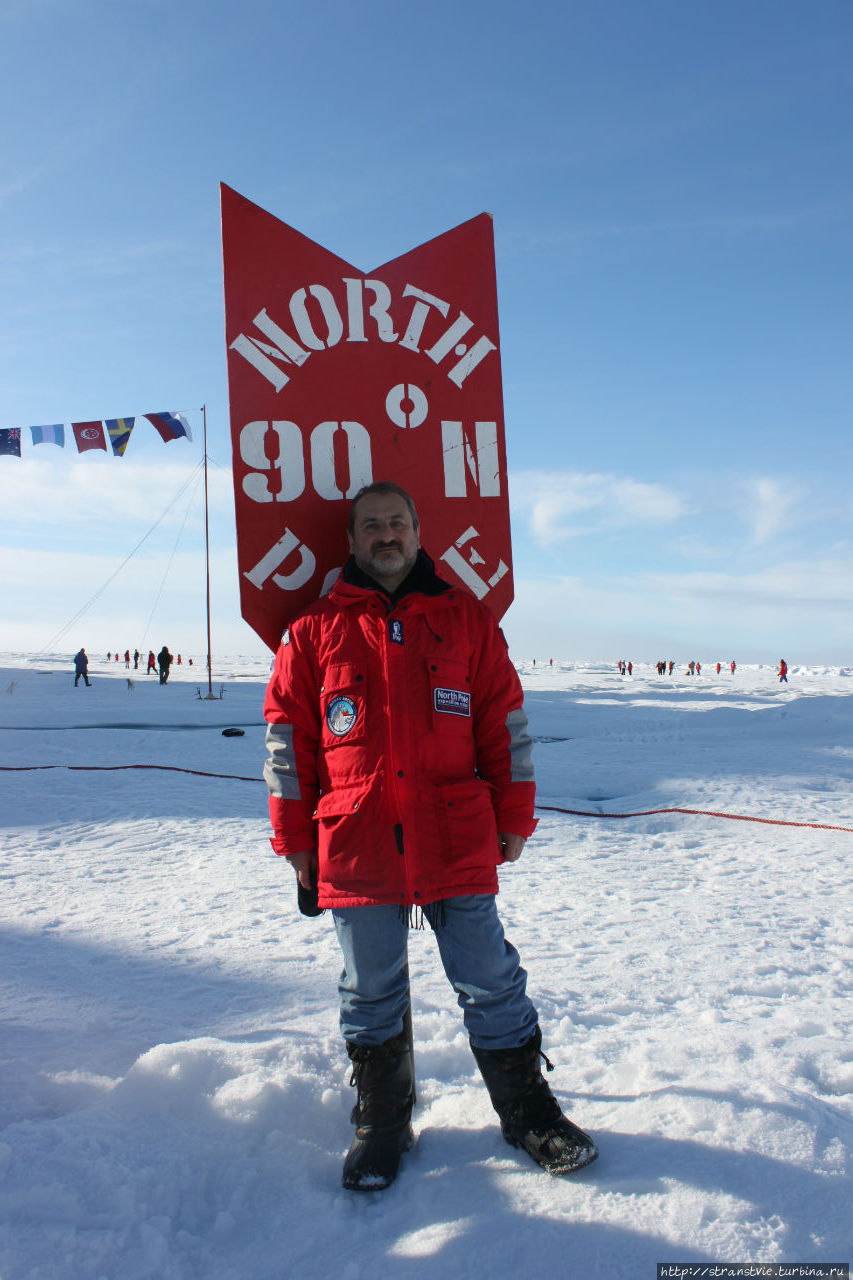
(173,1089)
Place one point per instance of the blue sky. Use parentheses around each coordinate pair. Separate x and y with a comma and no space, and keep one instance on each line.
(672,199)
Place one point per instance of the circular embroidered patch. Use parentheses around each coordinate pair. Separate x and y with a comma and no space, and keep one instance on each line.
(341,715)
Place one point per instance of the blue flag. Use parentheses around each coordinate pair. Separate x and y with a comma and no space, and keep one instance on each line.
(119,430)
(54,434)
(10,441)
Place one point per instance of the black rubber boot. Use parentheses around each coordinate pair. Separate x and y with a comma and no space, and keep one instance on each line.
(529,1113)
(384,1077)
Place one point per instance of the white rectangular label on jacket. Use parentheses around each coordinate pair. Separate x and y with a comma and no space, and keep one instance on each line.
(453,702)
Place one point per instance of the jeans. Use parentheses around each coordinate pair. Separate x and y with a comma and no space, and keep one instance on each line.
(482,967)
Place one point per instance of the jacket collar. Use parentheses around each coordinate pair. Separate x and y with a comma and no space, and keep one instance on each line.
(422,580)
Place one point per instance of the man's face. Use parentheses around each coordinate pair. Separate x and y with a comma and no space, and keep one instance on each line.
(384,540)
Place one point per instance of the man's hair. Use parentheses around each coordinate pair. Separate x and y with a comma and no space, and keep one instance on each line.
(383,488)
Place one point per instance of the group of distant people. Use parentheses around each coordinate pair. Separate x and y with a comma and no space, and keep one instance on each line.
(664,668)
(161,664)
(694,668)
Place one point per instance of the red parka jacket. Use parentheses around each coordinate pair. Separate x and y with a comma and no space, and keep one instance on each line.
(398,743)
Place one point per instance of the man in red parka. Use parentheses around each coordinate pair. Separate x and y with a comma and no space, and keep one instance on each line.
(400,778)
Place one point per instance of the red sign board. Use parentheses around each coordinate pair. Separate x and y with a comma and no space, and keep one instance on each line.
(338,378)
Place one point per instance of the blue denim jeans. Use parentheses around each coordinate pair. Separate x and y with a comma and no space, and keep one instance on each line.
(482,967)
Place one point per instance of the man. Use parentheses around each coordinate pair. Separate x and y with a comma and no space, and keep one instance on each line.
(81,667)
(164,662)
(400,777)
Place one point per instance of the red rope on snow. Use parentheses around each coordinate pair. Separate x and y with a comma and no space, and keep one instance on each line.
(703,813)
(550,808)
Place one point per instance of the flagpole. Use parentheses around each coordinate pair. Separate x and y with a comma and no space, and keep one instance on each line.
(210,693)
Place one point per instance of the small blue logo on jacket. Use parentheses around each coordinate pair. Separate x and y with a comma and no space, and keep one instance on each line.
(395,630)
(454,702)
(341,715)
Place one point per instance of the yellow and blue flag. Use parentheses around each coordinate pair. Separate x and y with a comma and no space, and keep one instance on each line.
(119,430)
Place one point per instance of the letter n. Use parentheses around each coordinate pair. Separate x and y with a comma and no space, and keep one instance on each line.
(461,459)
(262,354)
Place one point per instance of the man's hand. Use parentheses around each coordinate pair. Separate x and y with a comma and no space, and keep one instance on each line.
(305,866)
(510,846)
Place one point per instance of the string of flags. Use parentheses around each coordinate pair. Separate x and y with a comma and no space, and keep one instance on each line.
(104,433)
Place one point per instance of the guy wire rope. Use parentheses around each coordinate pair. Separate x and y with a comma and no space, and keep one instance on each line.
(85,608)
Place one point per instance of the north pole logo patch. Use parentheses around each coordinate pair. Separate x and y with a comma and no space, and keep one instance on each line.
(454,702)
(341,715)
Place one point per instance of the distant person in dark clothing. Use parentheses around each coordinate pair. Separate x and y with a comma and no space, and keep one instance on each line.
(81,667)
(136,659)
(164,662)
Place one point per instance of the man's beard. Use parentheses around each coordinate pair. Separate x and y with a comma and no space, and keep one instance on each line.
(383,564)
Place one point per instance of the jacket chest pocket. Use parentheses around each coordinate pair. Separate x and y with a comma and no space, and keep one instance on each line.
(343,703)
(451,704)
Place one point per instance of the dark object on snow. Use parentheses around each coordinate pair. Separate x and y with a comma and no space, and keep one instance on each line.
(529,1113)
(233,733)
(307,899)
(385,1079)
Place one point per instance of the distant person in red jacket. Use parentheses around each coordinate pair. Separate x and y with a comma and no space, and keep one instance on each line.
(783,671)
(152,662)
(401,777)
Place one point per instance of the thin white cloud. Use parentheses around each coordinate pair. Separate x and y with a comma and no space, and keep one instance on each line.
(771,507)
(559,505)
(822,583)
(803,609)
(42,494)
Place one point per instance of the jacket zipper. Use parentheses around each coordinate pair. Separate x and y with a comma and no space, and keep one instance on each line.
(392,753)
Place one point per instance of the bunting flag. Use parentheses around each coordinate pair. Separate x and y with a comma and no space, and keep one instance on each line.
(54,434)
(10,441)
(119,430)
(89,435)
(170,425)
